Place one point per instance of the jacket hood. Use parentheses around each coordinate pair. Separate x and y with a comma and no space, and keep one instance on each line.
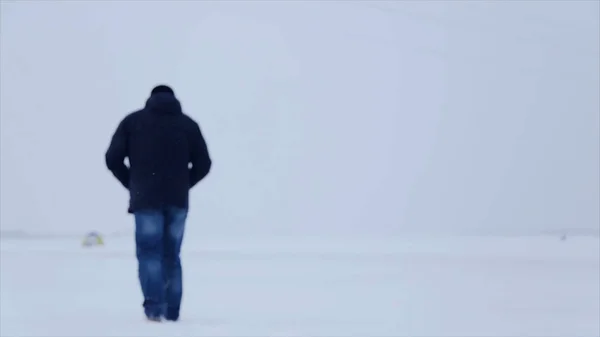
(163,102)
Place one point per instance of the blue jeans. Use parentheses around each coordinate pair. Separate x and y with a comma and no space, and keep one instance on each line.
(158,238)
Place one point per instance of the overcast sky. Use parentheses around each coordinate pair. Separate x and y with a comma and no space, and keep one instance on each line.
(322,118)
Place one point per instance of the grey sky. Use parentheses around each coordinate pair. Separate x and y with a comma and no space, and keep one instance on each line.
(321,117)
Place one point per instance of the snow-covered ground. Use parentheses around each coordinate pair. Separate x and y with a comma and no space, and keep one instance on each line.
(469,286)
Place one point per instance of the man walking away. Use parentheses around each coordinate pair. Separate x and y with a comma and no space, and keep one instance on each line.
(160,142)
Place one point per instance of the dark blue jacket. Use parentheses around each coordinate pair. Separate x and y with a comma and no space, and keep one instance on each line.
(166,151)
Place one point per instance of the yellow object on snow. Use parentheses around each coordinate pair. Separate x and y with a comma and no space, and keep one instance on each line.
(93,239)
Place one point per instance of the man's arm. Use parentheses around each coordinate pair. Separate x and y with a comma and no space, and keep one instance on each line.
(201,162)
(117,152)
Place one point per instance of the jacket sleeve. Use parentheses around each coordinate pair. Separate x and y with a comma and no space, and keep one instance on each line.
(199,157)
(117,152)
